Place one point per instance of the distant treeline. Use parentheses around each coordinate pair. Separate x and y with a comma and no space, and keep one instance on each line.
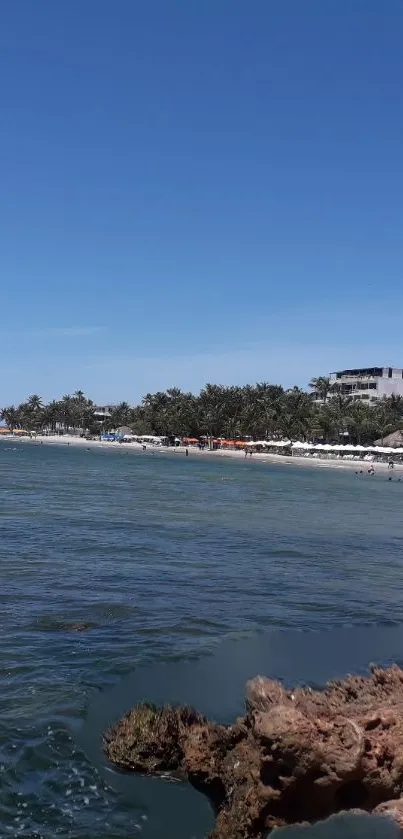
(261,411)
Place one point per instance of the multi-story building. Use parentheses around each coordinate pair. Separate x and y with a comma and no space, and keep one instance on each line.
(368,382)
(103,412)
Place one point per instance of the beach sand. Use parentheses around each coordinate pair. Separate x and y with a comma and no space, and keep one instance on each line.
(137,448)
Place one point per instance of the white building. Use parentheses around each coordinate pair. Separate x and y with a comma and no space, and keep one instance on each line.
(103,412)
(368,382)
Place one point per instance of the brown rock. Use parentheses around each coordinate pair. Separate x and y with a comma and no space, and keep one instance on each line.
(297,756)
(392,810)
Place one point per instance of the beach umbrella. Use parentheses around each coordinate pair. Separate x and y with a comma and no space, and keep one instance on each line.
(304,445)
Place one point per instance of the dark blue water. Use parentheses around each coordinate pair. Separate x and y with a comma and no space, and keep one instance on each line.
(163,558)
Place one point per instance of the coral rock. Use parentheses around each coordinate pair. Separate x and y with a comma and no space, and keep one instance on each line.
(295,757)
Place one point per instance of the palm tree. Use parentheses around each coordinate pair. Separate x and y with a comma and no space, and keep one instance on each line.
(320,386)
(12,417)
(388,415)
(361,422)
(67,412)
(327,424)
(34,402)
(296,417)
(121,415)
(260,410)
(51,415)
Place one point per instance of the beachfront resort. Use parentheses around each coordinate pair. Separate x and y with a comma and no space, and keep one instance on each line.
(351,415)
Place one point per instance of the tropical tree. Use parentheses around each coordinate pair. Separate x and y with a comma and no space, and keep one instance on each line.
(12,417)
(262,411)
(121,415)
(321,386)
(361,421)
(296,416)
(34,402)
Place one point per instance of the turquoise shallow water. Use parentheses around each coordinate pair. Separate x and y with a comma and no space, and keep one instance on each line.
(165,557)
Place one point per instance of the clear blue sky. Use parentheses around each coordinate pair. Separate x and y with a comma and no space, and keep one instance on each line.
(198,190)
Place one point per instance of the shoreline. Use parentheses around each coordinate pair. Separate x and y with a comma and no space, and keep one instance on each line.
(137,448)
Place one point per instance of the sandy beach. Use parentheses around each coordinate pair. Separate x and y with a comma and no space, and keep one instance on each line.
(260,458)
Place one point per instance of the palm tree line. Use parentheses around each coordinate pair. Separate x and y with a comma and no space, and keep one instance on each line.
(261,411)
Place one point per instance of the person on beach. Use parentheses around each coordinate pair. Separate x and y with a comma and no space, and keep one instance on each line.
(187,452)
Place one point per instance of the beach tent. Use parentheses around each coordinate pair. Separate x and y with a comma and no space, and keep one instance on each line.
(395,440)
(279,444)
(305,446)
(124,431)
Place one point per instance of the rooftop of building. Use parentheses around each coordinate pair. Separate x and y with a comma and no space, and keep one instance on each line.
(364,371)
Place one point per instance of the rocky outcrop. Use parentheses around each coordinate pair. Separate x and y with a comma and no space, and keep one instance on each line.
(296,756)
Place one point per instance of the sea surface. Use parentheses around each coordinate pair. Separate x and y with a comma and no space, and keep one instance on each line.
(127,576)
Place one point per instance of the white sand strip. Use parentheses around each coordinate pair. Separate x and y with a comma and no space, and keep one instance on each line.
(283,460)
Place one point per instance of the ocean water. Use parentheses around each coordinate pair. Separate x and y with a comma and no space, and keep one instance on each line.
(127,576)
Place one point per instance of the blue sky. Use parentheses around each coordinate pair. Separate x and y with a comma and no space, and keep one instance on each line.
(198,191)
